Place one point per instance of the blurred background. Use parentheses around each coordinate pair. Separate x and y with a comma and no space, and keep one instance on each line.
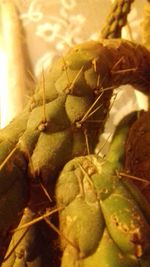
(51,26)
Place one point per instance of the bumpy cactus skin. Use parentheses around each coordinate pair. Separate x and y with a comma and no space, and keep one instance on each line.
(102,219)
(49,139)
(116,19)
(14,194)
(65,116)
(71,87)
(19,255)
(28,246)
(14,190)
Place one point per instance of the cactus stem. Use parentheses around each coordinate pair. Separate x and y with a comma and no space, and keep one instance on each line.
(44,106)
(116,19)
(8,157)
(67,75)
(15,246)
(80,182)
(51,225)
(129,29)
(27,154)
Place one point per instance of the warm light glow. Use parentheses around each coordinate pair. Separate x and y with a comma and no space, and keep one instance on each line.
(12,69)
(3,89)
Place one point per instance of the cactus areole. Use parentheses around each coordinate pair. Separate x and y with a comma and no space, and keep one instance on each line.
(63,120)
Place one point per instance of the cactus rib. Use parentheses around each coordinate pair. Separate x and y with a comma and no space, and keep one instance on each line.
(106,206)
(75,110)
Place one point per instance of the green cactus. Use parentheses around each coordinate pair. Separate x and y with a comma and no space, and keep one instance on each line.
(65,116)
(116,19)
(77,102)
(102,218)
(27,246)
(19,252)
(63,120)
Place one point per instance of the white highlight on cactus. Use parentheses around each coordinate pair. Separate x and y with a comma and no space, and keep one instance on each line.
(13,93)
(3,88)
